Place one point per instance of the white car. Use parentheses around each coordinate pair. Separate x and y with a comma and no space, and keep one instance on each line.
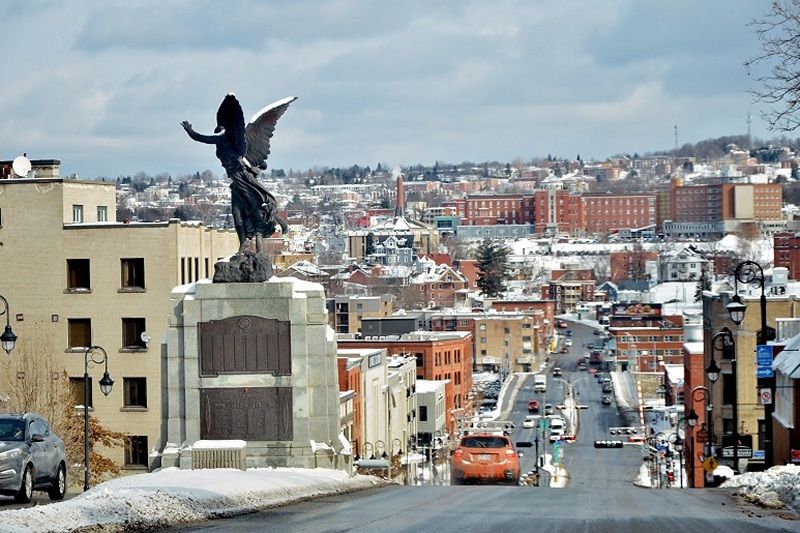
(530,421)
(567,342)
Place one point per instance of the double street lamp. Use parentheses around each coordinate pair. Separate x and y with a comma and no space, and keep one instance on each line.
(106,383)
(751,273)
(8,340)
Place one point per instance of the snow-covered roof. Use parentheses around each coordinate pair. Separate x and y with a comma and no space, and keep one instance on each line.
(788,361)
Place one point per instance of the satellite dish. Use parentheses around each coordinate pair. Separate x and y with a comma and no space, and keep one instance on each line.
(21,166)
(145,337)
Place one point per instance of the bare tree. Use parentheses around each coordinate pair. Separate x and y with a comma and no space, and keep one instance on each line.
(779,34)
(32,381)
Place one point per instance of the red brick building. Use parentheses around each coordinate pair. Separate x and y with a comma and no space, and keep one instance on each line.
(786,251)
(610,213)
(726,201)
(350,380)
(630,265)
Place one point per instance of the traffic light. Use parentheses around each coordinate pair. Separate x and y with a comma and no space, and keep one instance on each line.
(608,444)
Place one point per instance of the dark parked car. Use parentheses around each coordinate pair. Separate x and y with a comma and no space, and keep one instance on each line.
(32,458)
(607,387)
(606,400)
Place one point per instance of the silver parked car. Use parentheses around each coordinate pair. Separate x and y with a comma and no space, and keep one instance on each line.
(32,457)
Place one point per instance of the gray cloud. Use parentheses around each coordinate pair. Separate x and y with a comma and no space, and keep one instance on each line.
(104,86)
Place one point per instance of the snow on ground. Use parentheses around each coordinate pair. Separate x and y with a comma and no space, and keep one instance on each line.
(173,497)
(777,487)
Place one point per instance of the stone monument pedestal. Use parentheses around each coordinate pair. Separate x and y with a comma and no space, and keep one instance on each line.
(254,362)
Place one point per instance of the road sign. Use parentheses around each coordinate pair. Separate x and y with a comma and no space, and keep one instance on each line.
(745,452)
(766,396)
(764,372)
(710,464)
(702,436)
(764,355)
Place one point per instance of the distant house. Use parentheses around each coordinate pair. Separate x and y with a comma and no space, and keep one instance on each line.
(684,265)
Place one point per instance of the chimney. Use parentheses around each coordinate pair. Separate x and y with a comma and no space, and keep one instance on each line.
(401,198)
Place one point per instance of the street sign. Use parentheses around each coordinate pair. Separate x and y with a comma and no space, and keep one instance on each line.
(764,372)
(759,454)
(766,396)
(702,435)
(745,452)
(710,464)
(764,355)
(764,361)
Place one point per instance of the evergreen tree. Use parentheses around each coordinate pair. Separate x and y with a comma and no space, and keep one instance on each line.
(703,284)
(369,244)
(492,267)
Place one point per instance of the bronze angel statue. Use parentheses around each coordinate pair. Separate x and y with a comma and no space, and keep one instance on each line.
(243,150)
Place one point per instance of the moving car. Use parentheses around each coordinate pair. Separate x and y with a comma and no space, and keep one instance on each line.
(485,457)
(530,421)
(568,342)
(548,409)
(540,383)
(32,457)
(564,349)
(568,333)
(606,400)
(533,406)
(561,324)
(581,365)
(556,371)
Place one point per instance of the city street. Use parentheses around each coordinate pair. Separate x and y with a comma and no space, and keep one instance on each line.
(586,466)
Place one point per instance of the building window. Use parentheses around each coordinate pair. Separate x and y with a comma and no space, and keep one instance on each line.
(132,329)
(135,392)
(423,413)
(136,451)
(132,270)
(77,213)
(102,213)
(78,274)
(79,332)
(77,390)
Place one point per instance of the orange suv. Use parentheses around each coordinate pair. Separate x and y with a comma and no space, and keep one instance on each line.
(485,457)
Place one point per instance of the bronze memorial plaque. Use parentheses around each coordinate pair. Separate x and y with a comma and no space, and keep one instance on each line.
(245,345)
(261,413)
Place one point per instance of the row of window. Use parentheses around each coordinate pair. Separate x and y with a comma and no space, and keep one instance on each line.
(77,213)
(131,274)
(134,392)
(79,333)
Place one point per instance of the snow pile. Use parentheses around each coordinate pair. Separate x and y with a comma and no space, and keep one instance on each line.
(173,497)
(777,487)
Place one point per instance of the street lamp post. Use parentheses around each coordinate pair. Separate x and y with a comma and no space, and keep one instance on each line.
(723,342)
(106,383)
(7,339)
(751,273)
(678,445)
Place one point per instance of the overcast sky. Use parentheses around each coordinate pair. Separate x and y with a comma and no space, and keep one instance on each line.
(103,86)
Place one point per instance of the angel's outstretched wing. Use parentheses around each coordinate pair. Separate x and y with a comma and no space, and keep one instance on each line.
(259,131)
(231,117)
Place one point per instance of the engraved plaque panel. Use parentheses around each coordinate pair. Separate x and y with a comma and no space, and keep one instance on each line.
(245,345)
(263,413)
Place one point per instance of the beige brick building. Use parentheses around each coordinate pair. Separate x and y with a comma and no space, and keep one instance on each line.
(75,277)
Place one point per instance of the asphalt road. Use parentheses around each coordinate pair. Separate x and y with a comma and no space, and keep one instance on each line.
(498,508)
(586,465)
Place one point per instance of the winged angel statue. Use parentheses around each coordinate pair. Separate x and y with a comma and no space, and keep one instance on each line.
(243,151)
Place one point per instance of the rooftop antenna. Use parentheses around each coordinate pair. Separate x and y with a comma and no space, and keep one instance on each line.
(21,166)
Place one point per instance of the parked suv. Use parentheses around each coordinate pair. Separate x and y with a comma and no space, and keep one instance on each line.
(32,458)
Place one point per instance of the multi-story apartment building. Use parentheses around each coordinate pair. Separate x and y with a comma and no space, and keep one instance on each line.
(345,312)
(722,208)
(741,388)
(645,340)
(76,278)
(439,356)
(438,284)
(786,252)
(610,213)
(568,286)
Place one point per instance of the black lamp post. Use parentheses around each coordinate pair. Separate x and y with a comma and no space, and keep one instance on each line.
(751,273)
(7,339)
(678,445)
(724,343)
(106,383)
